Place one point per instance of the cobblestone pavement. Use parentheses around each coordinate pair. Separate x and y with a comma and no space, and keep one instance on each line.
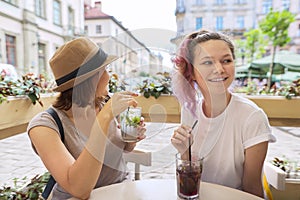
(18,159)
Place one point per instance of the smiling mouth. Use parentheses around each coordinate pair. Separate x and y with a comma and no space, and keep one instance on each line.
(218,79)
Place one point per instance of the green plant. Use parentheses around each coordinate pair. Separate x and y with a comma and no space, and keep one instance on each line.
(276,25)
(155,89)
(135,121)
(290,167)
(115,85)
(131,117)
(288,90)
(29,85)
(282,164)
(22,190)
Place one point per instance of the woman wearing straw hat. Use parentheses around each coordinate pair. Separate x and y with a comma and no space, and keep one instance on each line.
(90,155)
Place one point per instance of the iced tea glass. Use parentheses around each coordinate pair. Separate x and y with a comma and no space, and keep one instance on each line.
(130,120)
(188,176)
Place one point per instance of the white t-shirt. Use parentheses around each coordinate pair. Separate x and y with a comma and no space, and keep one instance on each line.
(222,141)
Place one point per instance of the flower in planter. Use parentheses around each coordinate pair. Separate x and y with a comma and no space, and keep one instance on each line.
(152,86)
(115,85)
(155,89)
(290,167)
(289,89)
(29,85)
(24,190)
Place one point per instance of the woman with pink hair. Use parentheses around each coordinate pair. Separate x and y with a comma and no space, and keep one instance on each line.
(232,132)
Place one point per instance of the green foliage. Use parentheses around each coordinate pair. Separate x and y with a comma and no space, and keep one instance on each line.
(282,164)
(29,85)
(275,25)
(288,90)
(114,85)
(134,121)
(155,89)
(21,190)
(255,44)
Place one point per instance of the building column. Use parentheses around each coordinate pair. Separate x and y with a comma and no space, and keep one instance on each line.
(31,42)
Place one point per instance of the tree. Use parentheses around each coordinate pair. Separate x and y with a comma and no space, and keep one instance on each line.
(255,44)
(275,25)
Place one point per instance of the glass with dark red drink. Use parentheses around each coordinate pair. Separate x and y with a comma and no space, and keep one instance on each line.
(188,175)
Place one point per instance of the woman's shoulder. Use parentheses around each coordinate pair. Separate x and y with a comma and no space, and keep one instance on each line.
(243,102)
(42,119)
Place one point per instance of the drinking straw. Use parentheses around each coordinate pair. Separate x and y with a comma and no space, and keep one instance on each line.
(190,151)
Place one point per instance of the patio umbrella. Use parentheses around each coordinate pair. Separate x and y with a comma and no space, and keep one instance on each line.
(284,61)
(245,71)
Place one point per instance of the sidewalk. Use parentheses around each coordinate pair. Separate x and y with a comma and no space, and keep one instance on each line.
(18,159)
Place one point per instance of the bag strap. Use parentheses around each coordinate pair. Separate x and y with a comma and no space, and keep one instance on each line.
(53,113)
(51,182)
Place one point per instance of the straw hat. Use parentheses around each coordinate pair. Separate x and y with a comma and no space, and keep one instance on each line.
(78,60)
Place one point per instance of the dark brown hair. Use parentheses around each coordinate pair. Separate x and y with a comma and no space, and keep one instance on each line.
(82,94)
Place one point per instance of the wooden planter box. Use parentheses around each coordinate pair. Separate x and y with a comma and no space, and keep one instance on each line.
(18,111)
(280,111)
(165,108)
(282,188)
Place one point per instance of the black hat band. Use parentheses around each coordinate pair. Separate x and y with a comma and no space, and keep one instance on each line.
(97,60)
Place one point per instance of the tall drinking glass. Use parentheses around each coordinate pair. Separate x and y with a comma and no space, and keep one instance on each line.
(188,176)
(130,120)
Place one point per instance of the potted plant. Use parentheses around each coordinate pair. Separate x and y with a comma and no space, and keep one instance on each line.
(281,104)
(18,102)
(284,178)
(156,99)
(22,189)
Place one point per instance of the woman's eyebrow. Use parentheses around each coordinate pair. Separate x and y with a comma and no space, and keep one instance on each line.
(205,58)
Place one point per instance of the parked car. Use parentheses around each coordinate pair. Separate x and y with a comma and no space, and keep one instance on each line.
(8,72)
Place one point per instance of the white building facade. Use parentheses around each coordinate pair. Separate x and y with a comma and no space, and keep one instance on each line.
(109,33)
(31,31)
(233,16)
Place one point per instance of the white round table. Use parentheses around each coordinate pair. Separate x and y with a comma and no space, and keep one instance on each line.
(162,189)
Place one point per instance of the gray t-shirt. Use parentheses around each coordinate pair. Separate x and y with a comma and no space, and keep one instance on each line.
(114,168)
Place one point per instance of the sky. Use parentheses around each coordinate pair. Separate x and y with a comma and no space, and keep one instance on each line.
(153,22)
(139,14)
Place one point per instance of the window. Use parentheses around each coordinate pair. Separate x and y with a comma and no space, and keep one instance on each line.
(266,6)
(10,42)
(240,1)
(199,2)
(71,21)
(199,24)
(180,26)
(40,8)
(98,29)
(56,12)
(42,58)
(219,2)
(285,4)
(180,4)
(240,22)
(86,29)
(219,24)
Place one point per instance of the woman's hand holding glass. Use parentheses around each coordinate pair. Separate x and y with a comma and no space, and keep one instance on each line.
(180,139)
(118,103)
